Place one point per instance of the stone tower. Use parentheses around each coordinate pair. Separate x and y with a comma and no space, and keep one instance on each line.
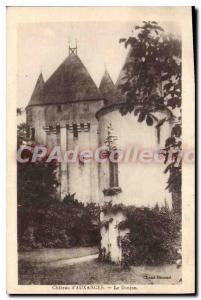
(130,181)
(61,112)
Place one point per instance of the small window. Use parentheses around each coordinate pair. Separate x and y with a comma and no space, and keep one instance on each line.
(158,134)
(75,131)
(114,182)
(58,134)
(57,129)
(32,134)
(59,108)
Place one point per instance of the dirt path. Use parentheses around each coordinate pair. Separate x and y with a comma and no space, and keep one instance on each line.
(47,256)
(71,261)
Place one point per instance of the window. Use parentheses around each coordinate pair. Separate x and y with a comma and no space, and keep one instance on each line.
(113,174)
(32,134)
(82,126)
(57,129)
(59,108)
(58,134)
(158,134)
(75,131)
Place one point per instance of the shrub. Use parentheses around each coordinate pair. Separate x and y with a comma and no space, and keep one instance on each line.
(59,225)
(154,238)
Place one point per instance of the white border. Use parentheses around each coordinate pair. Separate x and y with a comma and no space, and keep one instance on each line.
(3,5)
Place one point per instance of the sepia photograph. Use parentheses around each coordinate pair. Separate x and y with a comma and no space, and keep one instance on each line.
(102,150)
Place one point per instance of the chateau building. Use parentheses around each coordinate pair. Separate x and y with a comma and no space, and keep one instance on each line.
(70,111)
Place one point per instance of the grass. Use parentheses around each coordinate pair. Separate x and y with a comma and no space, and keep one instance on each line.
(94,272)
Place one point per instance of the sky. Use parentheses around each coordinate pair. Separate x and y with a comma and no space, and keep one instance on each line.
(42,47)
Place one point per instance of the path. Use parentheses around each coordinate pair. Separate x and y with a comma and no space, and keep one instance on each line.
(52,255)
(71,261)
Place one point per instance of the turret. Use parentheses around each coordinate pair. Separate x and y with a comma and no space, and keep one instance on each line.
(107,88)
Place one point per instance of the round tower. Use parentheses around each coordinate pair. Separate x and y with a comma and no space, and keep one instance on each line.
(133,173)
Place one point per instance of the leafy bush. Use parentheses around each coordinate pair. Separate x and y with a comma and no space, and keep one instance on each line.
(60,225)
(154,238)
(43,220)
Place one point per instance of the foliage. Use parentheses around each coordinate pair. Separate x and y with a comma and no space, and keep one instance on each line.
(77,227)
(43,220)
(59,225)
(22,132)
(154,238)
(152,84)
(109,208)
(154,234)
(36,183)
(19,111)
(36,190)
(173,146)
(152,79)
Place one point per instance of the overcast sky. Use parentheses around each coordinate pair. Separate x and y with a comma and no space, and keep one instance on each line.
(43,47)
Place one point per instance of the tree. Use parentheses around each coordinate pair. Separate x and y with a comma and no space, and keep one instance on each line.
(36,189)
(36,181)
(22,134)
(152,84)
(19,111)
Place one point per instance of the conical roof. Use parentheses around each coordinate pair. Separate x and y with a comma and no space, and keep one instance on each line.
(122,75)
(107,87)
(120,97)
(71,82)
(37,92)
